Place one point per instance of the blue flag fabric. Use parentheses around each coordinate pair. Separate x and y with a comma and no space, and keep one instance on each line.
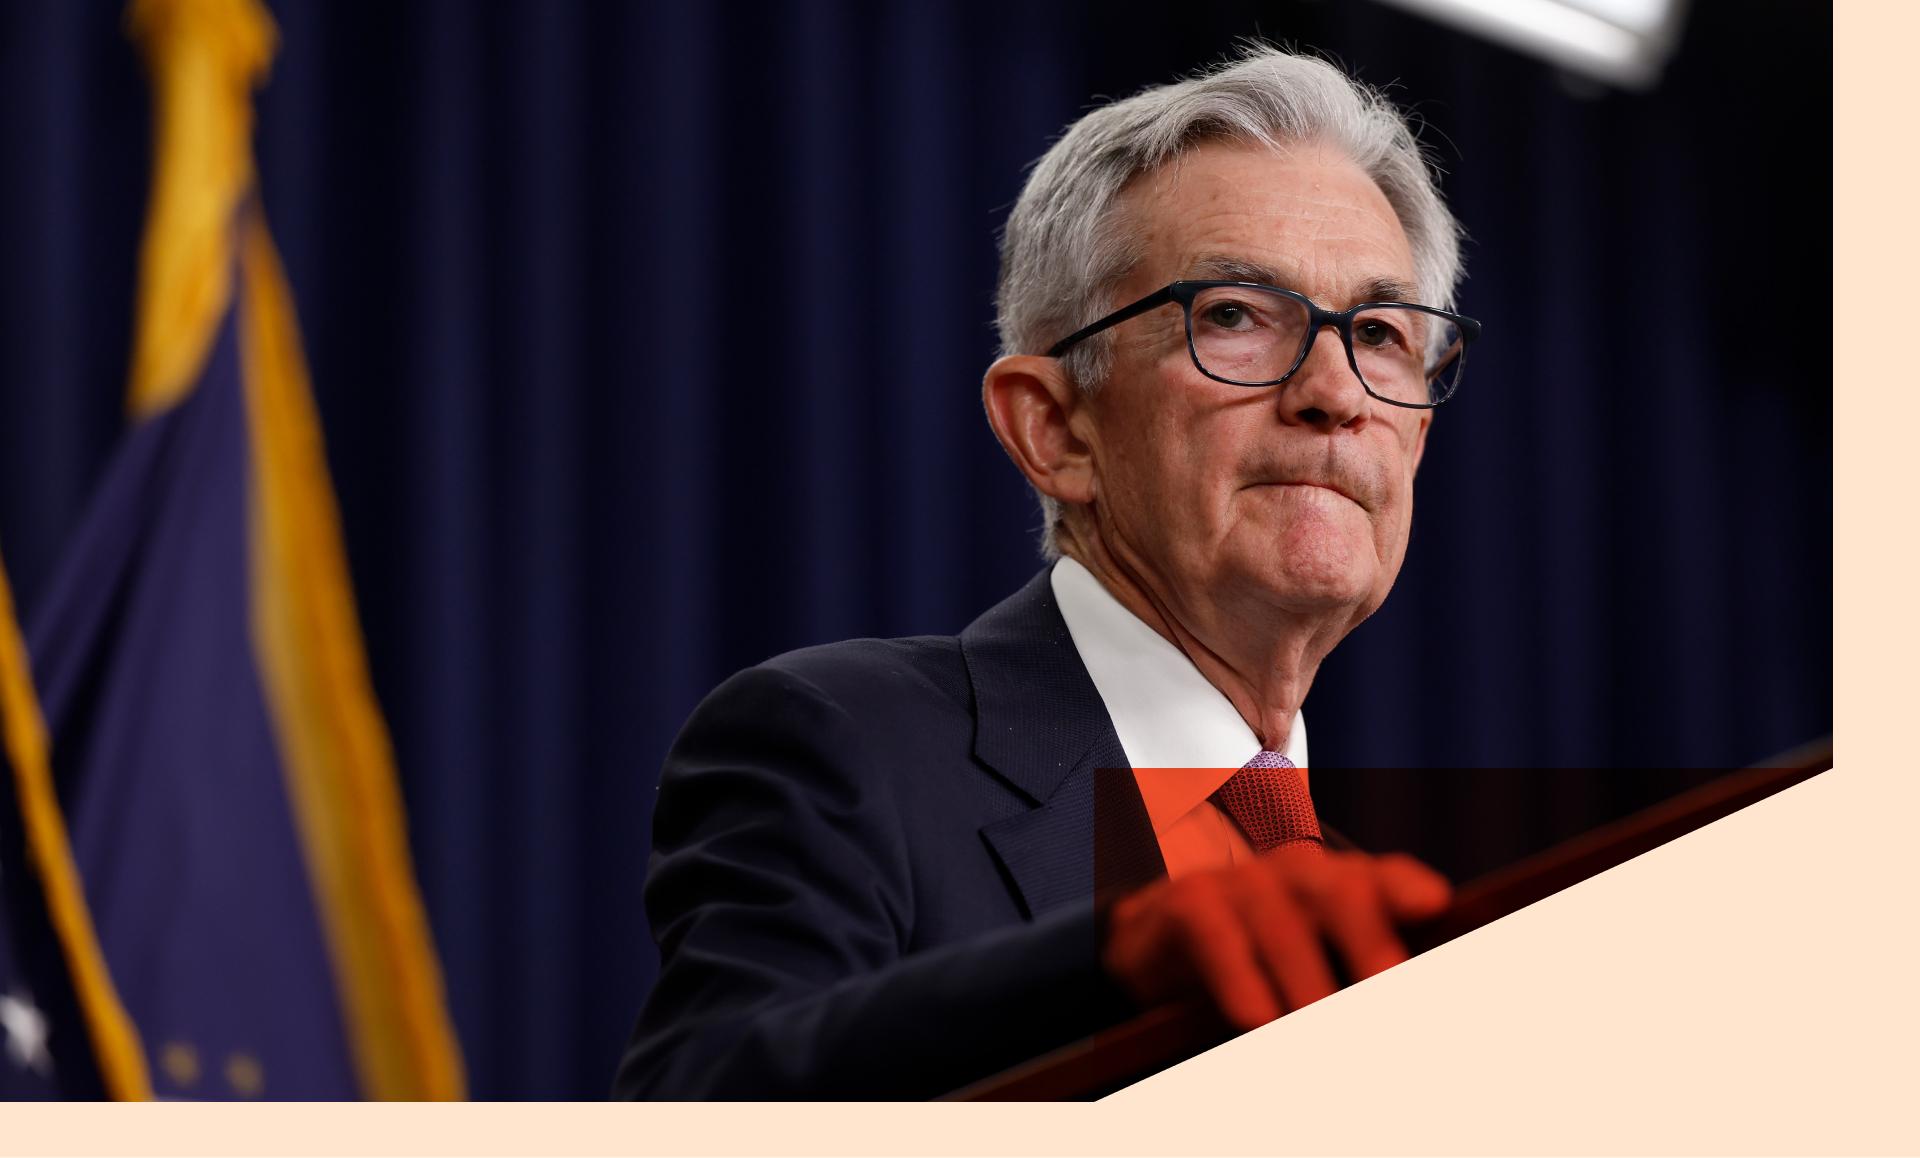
(63,1032)
(170,776)
(225,897)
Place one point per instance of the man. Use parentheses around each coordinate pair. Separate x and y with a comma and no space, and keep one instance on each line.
(885,868)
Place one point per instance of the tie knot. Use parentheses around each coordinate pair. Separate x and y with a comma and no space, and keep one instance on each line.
(1268,800)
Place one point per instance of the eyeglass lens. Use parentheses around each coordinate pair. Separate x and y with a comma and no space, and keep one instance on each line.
(1253,337)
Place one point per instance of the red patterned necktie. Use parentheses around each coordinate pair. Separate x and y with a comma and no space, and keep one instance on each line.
(1269,801)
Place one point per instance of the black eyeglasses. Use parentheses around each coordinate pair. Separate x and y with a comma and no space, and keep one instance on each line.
(1246,334)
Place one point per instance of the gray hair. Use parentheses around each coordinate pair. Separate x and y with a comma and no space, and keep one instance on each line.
(1062,253)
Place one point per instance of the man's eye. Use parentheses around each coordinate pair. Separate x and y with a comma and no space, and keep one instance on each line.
(1375,334)
(1227,315)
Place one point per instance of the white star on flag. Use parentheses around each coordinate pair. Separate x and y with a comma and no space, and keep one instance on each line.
(26,1030)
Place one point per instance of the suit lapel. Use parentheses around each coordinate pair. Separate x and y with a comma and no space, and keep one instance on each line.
(1041,726)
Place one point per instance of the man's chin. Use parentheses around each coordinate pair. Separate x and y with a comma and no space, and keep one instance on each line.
(1314,562)
(1300,587)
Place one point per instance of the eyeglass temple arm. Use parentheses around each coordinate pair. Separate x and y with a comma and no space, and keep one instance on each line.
(1469,333)
(1152,301)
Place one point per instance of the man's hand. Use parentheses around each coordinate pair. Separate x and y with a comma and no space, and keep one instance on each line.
(1254,937)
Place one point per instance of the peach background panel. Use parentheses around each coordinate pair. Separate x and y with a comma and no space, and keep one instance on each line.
(1747,989)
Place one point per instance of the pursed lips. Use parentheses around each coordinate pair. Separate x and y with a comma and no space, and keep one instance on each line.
(1296,482)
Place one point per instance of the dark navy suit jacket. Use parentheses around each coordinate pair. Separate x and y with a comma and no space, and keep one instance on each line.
(873,869)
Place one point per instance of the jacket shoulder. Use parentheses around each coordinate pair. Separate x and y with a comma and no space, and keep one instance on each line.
(840,711)
(861,675)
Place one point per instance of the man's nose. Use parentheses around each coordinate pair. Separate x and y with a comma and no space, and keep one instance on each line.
(1324,393)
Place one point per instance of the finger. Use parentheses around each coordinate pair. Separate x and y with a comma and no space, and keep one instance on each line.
(1288,942)
(1176,938)
(1222,952)
(1344,897)
(1412,891)
(1136,952)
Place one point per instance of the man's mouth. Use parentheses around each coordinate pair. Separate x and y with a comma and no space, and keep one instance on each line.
(1313,483)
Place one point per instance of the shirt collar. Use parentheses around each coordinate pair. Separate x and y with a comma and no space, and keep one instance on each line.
(1164,711)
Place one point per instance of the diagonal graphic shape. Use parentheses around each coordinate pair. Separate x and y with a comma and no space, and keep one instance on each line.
(1171,1034)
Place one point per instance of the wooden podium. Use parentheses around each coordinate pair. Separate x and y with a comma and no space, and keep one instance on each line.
(1169,1035)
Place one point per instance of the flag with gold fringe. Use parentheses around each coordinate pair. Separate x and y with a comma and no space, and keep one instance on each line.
(237,840)
(63,1032)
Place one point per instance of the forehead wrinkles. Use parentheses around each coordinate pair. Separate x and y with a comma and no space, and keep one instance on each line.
(1297,210)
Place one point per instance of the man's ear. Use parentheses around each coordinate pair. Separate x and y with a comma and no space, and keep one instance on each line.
(1030,404)
(1420,439)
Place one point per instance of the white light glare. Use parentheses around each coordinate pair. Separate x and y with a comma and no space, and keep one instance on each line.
(1622,42)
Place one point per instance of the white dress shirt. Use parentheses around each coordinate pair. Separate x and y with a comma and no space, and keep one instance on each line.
(1181,735)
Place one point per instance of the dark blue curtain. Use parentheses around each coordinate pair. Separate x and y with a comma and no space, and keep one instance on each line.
(648,341)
